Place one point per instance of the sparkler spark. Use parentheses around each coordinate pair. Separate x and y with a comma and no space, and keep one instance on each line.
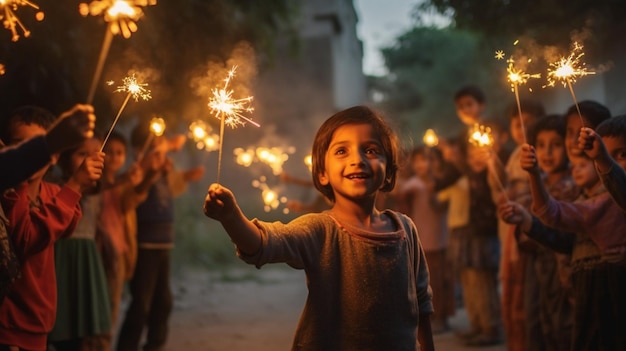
(224,106)
(121,15)
(11,21)
(499,55)
(244,157)
(135,89)
(516,76)
(481,136)
(568,69)
(271,198)
(157,126)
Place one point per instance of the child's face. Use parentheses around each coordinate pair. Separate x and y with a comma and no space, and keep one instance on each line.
(572,130)
(21,132)
(114,155)
(584,172)
(355,163)
(421,165)
(469,110)
(550,149)
(515,127)
(477,158)
(87,148)
(616,147)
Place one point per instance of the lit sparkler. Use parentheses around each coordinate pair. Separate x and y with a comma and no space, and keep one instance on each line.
(133,89)
(200,132)
(244,157)
(567,70)
(157,128)
(229,111)
(430,138)
(517,77)
(480,136)
(121,16)
(11,21)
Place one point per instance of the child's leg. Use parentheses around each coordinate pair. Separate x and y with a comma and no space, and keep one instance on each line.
(488,303)
(471,292)
(161,304)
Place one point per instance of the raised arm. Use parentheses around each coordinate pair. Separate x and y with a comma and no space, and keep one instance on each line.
(221,205)
(528,162)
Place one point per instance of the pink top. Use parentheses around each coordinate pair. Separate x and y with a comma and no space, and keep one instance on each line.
(112,220)
(430,222)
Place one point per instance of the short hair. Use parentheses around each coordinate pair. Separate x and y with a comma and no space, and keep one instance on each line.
(552,122)
(117,136)
(613,127)
(354,116)
(530,106)
(140,134)
(472,91)
(593,112)
(26,115)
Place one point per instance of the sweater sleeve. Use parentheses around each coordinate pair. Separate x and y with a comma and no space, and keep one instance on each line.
(565,216)
(420,266)
(551,238)
(615,183)
(34,229)
(13,158)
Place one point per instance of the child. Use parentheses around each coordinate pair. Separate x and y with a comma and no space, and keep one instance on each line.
(593,113)
(601,314)
(39,214)
(118,221)
(151,295)
(84,316)
(418,196)
(515,260)
(366,271)
(579,274)
(470,104)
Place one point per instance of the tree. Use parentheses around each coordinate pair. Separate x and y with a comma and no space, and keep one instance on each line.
(427,65)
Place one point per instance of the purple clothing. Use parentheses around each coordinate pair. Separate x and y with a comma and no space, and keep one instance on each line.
(615,183)
(600,217)
(366,290)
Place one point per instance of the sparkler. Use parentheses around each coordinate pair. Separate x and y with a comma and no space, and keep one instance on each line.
(567,70)
(121,16)
(157,128)
(200,132)
(517,76)
(134,89)
(480,136)
(430,138)
(11,21)
(229,111)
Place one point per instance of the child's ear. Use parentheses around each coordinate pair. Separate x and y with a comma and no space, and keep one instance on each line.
(54,158)
(323,179)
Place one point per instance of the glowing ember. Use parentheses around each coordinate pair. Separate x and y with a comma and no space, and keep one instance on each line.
(430,138)
(224,106)
(244,157)
(157,126)
(11,21)
(271,198)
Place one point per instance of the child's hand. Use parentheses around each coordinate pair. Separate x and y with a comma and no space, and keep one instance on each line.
(135,174)
(514,213)
(219,203)
(591,143)
(528,159)
(89,172)
(71,128)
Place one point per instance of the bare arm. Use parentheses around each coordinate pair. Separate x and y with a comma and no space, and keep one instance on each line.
(221,205)
(528,162)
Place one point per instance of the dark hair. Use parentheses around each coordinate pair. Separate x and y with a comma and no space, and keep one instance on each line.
(65,158)
(593,112)
(613,127)
(530,106)
(140,134)
(117,136)
(471,91)
(420,150)
(353,116)
(26,115)
(552,122)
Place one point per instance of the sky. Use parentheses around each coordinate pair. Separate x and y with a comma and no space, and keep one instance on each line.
(380,22)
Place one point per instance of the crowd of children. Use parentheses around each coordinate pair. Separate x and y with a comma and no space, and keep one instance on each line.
(532,239)
(75,244)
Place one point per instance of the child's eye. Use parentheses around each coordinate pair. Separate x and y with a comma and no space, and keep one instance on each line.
(620,155)
(371,151)
(340,151)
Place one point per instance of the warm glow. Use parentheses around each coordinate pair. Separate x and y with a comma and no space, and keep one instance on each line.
(121,15)
(481,136)
(12,22)
(430,138)
(308,161)
(244,157)
(157,126)
(231,110)
(134,88)
(568,69)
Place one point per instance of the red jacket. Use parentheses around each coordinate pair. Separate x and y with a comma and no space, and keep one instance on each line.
(29,310)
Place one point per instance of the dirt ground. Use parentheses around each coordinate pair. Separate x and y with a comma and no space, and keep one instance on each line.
(250,309)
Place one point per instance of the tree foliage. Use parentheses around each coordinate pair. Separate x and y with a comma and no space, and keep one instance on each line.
(427,65)
(549,22)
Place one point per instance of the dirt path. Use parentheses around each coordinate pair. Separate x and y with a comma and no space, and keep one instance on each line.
(249,309)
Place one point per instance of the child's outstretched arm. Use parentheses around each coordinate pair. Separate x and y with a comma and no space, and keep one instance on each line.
(88,173)
(221,205)
(612,174)
(528,162)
